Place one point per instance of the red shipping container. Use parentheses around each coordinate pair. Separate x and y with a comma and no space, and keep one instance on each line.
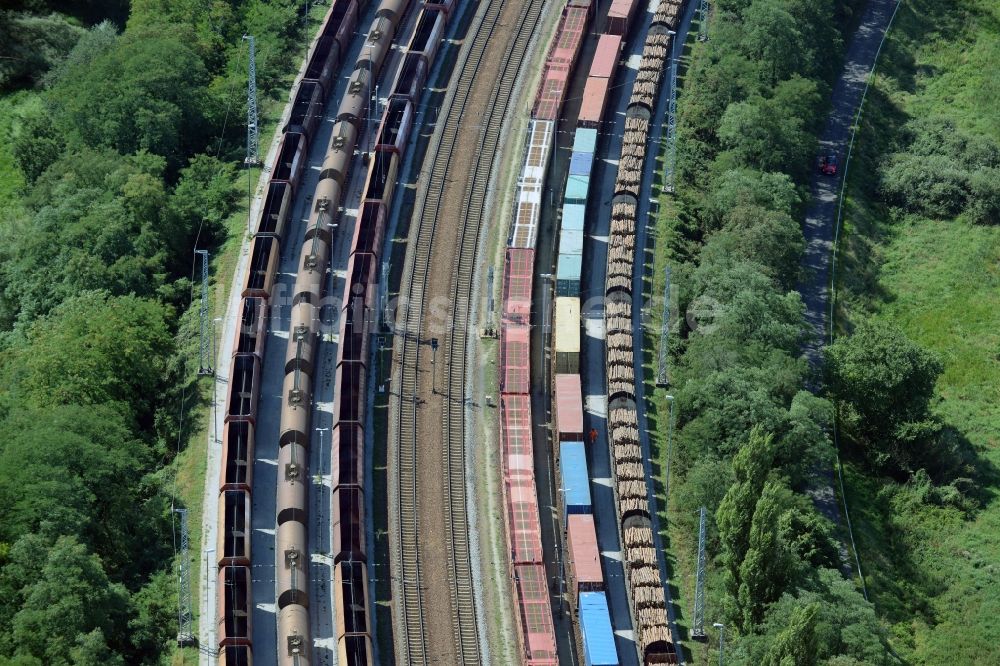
(584,556)
(606,57)
(595,95)
(569,408)
(620,16)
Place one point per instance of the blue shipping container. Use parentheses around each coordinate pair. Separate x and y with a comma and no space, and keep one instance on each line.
(576,189)
(575,477)
(571,241)
(595,625)
(568,275)
(585,140)
(580,163)
(573,216)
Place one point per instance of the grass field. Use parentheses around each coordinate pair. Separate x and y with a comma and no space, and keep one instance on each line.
(932,568)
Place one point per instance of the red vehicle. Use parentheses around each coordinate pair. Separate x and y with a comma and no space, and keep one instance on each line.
(828,165)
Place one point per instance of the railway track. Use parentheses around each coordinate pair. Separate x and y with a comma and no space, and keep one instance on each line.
(427,213)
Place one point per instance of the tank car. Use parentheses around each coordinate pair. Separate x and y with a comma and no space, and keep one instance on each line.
(292,483)
(294,646)
(337,162)
(302,339)
(354,105)
(295,409)
(313,259)
(377,44)
(392,11)
(293,564)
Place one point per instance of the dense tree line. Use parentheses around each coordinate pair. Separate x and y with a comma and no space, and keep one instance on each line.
(753,442)
(125,162)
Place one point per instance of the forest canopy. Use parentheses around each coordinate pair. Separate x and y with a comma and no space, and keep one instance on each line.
(121,164)
(753,440)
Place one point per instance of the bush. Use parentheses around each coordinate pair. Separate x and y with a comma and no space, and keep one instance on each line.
(884,383)
(943,173)
(30,44)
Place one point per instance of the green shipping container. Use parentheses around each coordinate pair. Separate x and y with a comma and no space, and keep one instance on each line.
(573,216)
(576,189)
(568,274)
(585,140)
(571,242)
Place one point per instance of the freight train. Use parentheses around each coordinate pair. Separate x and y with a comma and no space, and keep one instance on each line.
(234,609)
(587,593)
(536,631)
(291,553)
(645,586)
(631,485)
(644,579)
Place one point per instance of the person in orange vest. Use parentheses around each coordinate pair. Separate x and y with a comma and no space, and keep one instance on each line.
(593,435)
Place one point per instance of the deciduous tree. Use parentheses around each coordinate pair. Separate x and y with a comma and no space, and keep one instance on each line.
(885,382)
(70,601)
